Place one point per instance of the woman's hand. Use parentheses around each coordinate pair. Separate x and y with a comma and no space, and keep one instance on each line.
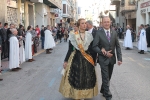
(65,65)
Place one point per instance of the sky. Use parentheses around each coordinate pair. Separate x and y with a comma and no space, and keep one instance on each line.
(84,3)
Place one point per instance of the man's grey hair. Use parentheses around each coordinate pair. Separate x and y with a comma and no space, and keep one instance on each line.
(13,30)
(90,22)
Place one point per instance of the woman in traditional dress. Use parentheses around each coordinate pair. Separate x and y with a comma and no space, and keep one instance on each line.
(79,78)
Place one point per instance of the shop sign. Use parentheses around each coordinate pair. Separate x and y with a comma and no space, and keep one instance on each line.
(12,3)
(145,4)
(56,15)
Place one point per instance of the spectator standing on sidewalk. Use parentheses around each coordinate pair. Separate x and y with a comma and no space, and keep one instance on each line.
(37,29)
(142,44)
(65,35)
(148,35)
(4,41)
(0,50)
(9,33)
(120,32)
(42,36)
(59,34)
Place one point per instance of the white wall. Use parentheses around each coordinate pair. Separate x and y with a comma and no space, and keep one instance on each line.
(39,16)
(142,17)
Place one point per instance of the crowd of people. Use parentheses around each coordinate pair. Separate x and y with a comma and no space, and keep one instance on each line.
(88,45)
(19,45)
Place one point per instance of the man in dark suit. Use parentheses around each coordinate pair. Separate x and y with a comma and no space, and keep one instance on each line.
(91,29)
(148,35)
(4,43)
(104,44)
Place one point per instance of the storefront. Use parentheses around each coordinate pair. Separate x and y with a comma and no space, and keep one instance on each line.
(143,13)
(131,19)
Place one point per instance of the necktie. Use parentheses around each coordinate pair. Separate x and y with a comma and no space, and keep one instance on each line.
(108,36)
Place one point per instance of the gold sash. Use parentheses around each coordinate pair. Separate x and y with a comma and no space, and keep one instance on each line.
(80,46)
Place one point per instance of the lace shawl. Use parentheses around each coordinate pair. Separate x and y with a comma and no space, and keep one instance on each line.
(87,41)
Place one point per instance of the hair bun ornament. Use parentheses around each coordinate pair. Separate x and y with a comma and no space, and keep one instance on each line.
(106,12)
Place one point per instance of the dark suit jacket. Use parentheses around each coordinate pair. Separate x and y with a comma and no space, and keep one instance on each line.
(101,41)
(93,53)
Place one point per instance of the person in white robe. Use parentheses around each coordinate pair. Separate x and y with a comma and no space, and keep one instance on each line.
(28,45)
(128,39)
(49,42)
(21,52)
(142,43)
(14,51)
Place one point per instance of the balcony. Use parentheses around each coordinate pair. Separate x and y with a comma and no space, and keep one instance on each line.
(37,1)
(128,8)
(53,3)
(115,2)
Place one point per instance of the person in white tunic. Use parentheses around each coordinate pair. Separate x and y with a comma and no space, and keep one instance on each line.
(128,39)
(49,40)
(21,52)
(142,43)
(28,45)
(14,51)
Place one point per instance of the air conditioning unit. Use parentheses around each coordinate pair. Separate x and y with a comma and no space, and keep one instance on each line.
(44,11)
(52,10)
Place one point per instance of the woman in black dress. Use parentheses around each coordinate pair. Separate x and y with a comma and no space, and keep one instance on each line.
(79,79)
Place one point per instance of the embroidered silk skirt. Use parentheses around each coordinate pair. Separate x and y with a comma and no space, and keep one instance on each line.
(79,80)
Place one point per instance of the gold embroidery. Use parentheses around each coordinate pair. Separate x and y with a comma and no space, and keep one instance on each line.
(69,92)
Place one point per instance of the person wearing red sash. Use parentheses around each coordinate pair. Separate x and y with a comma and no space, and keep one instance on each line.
(79,77)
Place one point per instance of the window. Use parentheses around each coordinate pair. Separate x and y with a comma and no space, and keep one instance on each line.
(122,2)
(64,8)
(132,2)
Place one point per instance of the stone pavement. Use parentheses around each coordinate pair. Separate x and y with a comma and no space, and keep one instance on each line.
(40,80)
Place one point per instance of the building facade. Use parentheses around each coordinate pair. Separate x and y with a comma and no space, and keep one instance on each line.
(46,12)
(29,12)
(143,13)
(125,13)
(69,13)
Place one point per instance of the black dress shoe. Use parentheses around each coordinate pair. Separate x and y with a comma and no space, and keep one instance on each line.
(141,52)
(1,79)
(18,68)
(108,98)
(14,69)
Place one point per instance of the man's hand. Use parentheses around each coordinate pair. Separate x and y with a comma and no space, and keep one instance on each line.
(65,65)
(119,63)
(108,54)
(103,51)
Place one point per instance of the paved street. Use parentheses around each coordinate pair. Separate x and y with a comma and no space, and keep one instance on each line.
(40,80)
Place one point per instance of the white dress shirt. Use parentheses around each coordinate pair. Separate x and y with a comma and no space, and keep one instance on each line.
(90,30)
(106,32)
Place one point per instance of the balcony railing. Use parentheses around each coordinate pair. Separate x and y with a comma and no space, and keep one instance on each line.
(128,8)
(132,2)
